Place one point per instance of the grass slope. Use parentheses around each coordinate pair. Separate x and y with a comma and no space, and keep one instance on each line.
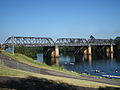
(32,62)
(5,71)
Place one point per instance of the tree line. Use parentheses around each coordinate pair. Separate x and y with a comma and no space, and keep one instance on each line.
(28,51)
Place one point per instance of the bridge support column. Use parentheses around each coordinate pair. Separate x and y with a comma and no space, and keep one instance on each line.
(108,50)
(57,51)
(48,51)
(89,50)
(51,51)
(85,51)
(111,49)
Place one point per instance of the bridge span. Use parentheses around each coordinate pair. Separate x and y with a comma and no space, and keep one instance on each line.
(51,47)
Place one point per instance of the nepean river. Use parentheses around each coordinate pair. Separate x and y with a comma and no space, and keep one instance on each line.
(99,65)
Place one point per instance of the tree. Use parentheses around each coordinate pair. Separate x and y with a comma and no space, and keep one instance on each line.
(91,37)
(117,42)
(28,51)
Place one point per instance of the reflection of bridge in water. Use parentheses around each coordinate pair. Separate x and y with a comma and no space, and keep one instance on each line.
(51,48)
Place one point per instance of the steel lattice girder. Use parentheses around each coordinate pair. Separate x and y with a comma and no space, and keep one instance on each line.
(71,42)
(41,41)
(29,41)
(101,42)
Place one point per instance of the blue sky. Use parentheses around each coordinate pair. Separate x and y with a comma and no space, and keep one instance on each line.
(60,18)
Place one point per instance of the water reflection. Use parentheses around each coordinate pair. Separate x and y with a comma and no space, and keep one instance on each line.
(109,56)
(55,61)
(105,63)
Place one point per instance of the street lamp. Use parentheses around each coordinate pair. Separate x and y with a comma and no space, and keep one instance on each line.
(13,46)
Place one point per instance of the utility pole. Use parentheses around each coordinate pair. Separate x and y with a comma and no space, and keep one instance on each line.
(13,46)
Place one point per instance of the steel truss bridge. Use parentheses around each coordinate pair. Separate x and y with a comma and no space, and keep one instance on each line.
(44,41)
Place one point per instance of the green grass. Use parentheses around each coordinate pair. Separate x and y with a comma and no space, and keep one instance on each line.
(32,62)
(5,71)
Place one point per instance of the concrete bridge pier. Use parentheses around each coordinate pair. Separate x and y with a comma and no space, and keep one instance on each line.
(109,51)
(48,51)
(85,51)
(51,51)
(57,51)
(89,50)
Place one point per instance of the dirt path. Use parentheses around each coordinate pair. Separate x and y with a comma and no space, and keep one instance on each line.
(21,66)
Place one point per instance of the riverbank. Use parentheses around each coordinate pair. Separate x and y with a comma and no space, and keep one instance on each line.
(27,66)
(22,80)
(29,61)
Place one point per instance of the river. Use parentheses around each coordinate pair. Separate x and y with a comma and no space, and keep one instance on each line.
(99,65)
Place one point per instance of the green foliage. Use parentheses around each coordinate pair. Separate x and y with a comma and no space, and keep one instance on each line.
(28,51)
(117,47)
(92,37)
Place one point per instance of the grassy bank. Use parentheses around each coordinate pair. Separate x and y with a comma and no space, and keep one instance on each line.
(27,60)
(5,71)
(32,62)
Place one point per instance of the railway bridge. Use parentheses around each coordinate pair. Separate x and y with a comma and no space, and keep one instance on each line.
(51,47)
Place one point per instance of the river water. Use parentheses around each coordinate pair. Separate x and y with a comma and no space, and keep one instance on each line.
(99,65)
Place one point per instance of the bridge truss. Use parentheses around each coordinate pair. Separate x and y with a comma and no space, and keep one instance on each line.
(29,41)
(41,41)
(96,42)
(71,42)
